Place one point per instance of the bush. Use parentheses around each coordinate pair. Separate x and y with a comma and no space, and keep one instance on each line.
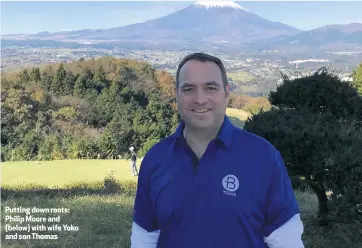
(315,123)
(111,184)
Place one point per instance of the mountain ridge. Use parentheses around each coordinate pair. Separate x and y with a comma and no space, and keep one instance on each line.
(201,23)
(226,20)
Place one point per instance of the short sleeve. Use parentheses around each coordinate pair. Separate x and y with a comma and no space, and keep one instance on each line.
(144,214)
(281,202)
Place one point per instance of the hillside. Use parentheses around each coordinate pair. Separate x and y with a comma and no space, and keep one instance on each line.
(89,109)
(94,108)
(237,116)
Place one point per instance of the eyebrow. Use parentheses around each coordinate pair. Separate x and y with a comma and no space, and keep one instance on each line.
(209,83)
(212,83)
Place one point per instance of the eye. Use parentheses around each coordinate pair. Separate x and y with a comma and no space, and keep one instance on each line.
(187,89)
(211,88)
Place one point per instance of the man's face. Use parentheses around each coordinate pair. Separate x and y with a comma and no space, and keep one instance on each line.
(201,98)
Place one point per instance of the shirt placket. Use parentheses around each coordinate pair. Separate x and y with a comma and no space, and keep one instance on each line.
(200,167)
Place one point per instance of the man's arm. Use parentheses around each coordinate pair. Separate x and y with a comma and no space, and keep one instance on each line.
(145,226)
(288,235)
(283,227)
(141,238)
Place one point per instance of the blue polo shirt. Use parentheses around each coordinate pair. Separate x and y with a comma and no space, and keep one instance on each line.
(238,193)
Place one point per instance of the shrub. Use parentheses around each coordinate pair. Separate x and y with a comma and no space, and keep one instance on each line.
(111,184)
(315,123)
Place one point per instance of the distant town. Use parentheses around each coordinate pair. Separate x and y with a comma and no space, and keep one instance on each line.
(251,73)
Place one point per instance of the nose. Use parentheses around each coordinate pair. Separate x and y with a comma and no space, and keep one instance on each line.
(200,97)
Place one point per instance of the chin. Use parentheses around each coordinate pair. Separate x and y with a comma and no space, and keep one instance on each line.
(201,124)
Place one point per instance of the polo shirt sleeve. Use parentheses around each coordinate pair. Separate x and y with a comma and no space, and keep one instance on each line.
(144,214)
(281,204)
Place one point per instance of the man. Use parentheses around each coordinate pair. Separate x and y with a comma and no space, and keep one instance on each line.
(211,184)
(133,161)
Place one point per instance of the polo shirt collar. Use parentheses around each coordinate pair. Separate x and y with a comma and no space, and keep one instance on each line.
(225,135)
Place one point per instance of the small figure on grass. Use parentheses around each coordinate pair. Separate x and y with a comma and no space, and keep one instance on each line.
(133,161)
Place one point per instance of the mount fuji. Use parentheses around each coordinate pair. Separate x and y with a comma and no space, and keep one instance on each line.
(205,22)
(206,25)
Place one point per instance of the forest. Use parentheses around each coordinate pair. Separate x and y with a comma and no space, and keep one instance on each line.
(93,108)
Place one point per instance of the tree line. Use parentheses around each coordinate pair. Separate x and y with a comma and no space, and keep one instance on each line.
(85,109)
(93,108)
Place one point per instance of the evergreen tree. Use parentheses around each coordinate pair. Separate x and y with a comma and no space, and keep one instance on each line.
(58,84)
(69,83)
(357,79)
(35,75)
(100,80)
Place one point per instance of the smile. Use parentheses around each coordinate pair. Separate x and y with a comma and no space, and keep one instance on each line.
(200,110)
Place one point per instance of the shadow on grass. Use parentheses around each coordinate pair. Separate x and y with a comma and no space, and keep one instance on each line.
(107,187)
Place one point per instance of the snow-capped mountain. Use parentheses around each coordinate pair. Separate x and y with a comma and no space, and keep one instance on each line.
(220,4)
(199,22)
(204,24)
(202,21)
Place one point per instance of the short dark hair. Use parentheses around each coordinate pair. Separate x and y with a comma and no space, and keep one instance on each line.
(202,57)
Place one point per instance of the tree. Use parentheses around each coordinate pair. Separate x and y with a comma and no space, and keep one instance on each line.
(18,119)
(24,76)
(69,83)
(236,101)
(100,80)
(58,84)
(47,78)
(319,134)
(35,75)
(166,83)
(318,93)
(80,86)
(357,79)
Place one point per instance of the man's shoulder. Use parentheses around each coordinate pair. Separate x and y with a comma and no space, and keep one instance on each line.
(158,150)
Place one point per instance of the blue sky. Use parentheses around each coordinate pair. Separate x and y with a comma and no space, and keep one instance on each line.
(33,17)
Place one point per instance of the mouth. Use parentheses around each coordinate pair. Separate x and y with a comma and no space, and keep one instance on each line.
(201,111)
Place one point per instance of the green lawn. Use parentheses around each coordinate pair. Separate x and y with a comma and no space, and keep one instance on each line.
(237,116)
(60,173)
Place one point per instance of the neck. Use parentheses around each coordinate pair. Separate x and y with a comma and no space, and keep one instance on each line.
(200,137)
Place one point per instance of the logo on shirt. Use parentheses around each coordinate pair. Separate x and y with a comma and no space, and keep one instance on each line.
(230,184)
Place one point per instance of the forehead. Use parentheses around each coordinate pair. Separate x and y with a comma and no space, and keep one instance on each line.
(197,72)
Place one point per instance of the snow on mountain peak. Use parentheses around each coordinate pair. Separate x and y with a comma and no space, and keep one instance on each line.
(220,4)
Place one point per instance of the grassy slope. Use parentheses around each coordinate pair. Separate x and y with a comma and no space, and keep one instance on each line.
(237,116)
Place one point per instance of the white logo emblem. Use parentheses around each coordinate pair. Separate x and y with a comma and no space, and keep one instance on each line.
(230,184)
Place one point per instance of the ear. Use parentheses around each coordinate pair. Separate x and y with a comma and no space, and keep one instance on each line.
(227,91)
